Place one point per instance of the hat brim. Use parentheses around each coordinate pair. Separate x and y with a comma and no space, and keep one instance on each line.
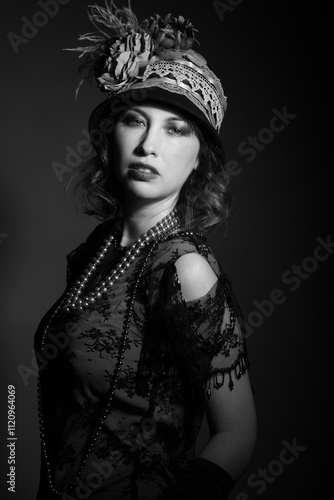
(122,101)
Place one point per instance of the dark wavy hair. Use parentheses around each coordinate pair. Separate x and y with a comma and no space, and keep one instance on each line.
(204,201)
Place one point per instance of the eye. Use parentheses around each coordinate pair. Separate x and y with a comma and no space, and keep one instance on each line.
(133,120)
(179,128)
(176,131)
(179,131)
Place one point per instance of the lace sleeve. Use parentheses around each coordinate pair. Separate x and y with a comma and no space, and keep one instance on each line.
(204,335)
(216,321)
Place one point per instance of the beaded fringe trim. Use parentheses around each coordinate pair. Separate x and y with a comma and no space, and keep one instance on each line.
(218,375)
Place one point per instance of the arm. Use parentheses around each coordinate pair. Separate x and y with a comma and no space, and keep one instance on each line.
(232,422)
(231,414)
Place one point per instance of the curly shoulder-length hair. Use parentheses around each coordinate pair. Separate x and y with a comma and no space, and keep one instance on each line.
(204,201)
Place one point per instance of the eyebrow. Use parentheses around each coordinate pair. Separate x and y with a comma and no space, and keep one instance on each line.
(169,119)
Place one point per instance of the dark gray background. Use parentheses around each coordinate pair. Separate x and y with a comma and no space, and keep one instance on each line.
(268,55)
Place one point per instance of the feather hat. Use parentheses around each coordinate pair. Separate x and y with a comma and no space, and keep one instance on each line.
(153,59)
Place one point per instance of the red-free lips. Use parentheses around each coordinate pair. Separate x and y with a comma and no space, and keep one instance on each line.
(142,171)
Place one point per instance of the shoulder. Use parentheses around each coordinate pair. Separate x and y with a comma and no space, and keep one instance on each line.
(187,257)
(195,274)
(178,245)
(80,256)
(101,231)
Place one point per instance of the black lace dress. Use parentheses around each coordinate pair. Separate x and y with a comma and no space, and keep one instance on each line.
(176,353)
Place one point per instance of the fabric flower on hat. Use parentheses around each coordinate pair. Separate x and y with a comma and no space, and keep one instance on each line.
(170,33)
(128,59)
(173,38)
(123,48)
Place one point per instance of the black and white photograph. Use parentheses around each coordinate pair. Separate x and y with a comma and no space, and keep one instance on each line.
(166,246)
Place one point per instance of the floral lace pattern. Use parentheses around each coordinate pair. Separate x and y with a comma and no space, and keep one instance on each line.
(176,350)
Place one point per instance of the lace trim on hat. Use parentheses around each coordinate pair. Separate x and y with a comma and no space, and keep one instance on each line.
(182,78)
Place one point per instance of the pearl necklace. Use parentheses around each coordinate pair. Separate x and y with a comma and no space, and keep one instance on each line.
(158,233)
(76,299)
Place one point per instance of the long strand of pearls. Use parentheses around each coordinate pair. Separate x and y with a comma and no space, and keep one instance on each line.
(77,301)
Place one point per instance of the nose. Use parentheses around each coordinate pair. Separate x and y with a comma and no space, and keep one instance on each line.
(149,143)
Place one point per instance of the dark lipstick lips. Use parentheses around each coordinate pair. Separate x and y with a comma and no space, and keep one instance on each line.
(138,165)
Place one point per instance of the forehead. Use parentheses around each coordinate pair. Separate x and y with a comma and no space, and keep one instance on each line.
(160,109)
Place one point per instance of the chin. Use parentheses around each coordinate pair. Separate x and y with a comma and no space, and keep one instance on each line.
(140,189)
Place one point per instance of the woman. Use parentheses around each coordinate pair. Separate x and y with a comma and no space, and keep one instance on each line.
(146,337)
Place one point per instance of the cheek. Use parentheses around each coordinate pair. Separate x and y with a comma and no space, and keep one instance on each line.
(124,144)
(188,156)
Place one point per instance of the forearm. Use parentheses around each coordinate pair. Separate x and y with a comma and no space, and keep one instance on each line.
(230,451)
(213,473)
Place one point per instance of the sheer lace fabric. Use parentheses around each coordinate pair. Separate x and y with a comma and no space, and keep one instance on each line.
(177,352)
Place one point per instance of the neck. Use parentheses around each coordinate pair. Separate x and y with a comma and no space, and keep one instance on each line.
(139,219)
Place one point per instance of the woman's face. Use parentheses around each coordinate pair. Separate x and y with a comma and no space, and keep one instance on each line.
(155,150)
